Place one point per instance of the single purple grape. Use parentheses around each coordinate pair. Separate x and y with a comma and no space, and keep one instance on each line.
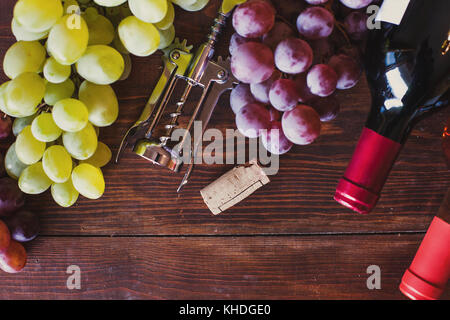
(11,197)
(328,108)
(252,63)
(301,125)
(261,90)
(322,80)
(23,225)
(251,119)
(315,23)
(284,95)
(347,69)
(254,18)
(241,96)
(356,4)
(274,139)
(293,56)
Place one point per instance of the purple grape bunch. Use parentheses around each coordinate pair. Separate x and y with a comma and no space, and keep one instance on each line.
(290,67)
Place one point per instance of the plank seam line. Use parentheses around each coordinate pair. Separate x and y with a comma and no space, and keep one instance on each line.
(232,235)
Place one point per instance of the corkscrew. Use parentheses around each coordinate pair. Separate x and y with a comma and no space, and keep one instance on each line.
(150,135)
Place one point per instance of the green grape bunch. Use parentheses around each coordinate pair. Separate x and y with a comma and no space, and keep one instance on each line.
(67,55)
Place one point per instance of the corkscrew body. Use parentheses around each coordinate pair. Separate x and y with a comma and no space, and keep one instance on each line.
(149,137)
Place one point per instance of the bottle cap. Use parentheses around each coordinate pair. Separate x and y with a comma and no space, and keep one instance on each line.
(367,172)
(428,274)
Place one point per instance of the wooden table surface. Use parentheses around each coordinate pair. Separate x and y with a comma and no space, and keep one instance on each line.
(290,240)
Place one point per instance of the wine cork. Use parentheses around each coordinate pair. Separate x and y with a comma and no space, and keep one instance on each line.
(233,187)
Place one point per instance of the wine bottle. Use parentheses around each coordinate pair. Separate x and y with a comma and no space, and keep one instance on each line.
(425,279)
(428,274)
(407,69)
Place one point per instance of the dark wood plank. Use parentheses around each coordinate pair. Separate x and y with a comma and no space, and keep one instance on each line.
(324,267)
(141,199)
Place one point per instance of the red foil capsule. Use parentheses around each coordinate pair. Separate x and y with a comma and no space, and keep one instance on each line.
(367,172)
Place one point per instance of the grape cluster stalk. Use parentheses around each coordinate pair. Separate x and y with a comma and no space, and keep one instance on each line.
(290,60)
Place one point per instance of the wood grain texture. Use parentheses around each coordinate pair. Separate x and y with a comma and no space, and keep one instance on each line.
(289,240)
(141,198)
(316,267)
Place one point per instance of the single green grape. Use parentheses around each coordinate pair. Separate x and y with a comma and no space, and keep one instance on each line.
(168,19)
(24,56)
(3,106)
(55,72)
(184,3)
(82,144)
(55,92)
(57,163)
(70,114)
(29,150)
(166,37)
(138,37)
(150,11)
(23,34)
(38,15)
(23,94)
(101,156)
(110,3)
(101,30)
(88,181)
(20,123)
(101,102)
(33,179)
(197,6)
(13,165)
(100,64)
(68,39)
(44,128)
(64,193)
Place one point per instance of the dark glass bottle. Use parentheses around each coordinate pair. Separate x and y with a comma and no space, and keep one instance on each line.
(407,68)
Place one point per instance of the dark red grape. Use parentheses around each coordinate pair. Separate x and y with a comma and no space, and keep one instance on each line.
(284,95)
(323,50)
(302,88)
(241,96)
(289,9)
(14,258)
(23,225)
(275,115)
(236,40)
(352,52)
(315,23)
(253,19)
(293,56)
(5,126)
(347,69)
(327,108)
(322,80)
(301,125)
(274,139)
(5,236)
(356,25)
(261,90)
(279,32)
(11,198)
(252,63)
(251,119)
(356,4)
(316,2)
